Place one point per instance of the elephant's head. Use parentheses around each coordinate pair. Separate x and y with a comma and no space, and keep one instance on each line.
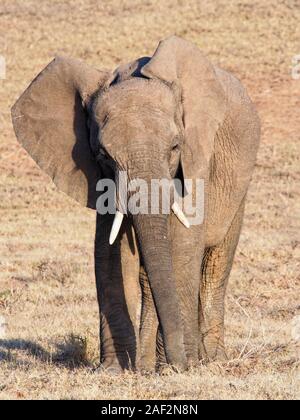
(79,124)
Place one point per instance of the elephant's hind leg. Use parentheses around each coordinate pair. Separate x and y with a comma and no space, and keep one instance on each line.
(216,267)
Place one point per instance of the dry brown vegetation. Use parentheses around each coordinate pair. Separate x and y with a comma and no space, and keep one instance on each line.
(47,292)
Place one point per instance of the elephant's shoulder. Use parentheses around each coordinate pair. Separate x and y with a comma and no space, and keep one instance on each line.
(242,116)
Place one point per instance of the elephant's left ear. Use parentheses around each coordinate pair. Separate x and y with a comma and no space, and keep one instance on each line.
(204,101)
(51,122)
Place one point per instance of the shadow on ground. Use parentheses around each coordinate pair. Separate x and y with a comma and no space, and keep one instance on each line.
(70,353)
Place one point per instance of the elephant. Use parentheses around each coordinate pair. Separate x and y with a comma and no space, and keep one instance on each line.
(161,281)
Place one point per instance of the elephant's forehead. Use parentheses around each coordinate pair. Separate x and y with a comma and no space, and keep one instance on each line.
(134,94)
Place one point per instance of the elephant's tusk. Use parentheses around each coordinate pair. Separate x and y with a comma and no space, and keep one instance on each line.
(116,227)
(179,213)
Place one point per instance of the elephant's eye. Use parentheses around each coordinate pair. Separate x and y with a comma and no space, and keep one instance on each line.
(175,147)
(101,154)
(105,121)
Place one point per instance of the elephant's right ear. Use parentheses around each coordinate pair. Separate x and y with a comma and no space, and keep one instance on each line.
(50,122)
(203,100)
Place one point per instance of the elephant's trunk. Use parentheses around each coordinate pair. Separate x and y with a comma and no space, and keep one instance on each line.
(152,233)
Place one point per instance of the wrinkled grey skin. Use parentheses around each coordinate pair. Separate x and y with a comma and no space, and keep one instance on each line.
(161,286)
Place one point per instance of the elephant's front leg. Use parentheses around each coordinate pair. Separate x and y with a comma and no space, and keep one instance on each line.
(119,296)
(216,267)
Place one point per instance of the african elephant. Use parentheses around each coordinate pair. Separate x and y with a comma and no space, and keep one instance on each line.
(160,285)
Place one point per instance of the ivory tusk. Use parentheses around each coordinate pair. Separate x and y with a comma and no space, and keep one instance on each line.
(179,214)
(116,227)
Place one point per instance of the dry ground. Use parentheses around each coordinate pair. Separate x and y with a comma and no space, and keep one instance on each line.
(47,292)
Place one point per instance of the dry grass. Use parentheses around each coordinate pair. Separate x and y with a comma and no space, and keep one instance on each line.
(47,292)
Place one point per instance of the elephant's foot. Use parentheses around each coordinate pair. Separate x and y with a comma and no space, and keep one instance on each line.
(147,366)
(167,369)
(110,370)
(111,367)
(144,371)
(214,355)
(212,349)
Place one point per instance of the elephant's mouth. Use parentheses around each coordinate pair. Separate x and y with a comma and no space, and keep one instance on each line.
(118,220)
(143,199)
